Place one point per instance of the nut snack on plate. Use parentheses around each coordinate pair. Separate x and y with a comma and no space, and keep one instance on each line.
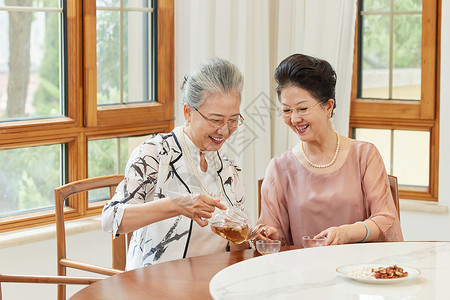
(389,272)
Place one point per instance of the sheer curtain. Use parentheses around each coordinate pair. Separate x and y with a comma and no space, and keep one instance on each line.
(324,29)
(256,35)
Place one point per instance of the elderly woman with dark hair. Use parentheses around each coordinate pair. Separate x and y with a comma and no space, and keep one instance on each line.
(174,181)
(328,185)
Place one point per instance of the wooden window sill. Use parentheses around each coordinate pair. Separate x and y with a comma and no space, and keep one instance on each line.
(423,206)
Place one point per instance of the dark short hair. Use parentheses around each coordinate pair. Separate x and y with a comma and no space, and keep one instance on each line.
(313,74)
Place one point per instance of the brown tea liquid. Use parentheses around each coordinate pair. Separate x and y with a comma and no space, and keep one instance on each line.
(232,231)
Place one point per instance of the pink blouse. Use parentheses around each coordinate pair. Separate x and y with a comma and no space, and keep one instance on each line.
(298,202)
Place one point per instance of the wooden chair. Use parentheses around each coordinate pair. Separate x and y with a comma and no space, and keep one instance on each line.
(393,183)
(119,244)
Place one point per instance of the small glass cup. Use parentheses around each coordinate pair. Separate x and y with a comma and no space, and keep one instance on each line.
(309,241)
(268,246)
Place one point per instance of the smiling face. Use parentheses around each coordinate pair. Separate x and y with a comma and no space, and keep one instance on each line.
(215,107)
(313,125)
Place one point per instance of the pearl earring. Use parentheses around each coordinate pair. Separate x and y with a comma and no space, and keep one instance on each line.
(186,123)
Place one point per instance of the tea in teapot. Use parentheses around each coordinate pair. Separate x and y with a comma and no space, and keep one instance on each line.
(233,225)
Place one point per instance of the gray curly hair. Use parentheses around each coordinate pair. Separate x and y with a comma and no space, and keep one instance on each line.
(214,76)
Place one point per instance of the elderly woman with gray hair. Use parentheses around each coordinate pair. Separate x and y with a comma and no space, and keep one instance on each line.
(174,181)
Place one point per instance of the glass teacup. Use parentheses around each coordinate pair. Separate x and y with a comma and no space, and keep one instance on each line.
(268,246)
(309,241)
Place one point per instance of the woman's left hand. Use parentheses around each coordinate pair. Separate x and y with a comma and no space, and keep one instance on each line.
(334,235)
(350,233)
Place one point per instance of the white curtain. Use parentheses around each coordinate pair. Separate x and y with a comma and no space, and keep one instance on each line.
(256,35)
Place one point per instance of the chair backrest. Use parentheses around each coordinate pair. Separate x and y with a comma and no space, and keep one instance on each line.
(393,183)
(119,244)
(260,181)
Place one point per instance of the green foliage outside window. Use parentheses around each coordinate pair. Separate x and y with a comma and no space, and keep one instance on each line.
(29,176)
(46,98)
(108,57)
(407,34)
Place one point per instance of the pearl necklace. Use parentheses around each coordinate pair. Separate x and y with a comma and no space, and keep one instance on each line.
(185,149)
(328,164)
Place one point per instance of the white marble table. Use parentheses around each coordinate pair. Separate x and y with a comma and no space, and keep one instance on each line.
(311,273)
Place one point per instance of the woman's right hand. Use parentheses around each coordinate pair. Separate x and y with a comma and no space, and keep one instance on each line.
(272,233)
(197,207)
(268,233)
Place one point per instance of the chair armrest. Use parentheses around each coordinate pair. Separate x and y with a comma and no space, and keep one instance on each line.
(89,267)
(47,279)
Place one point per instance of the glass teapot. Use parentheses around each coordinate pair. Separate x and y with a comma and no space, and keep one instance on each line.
(234,225)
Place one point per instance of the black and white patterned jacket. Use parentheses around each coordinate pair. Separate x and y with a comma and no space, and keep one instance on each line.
(155,169)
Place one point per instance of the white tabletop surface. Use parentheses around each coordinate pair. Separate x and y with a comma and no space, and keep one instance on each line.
(311,273)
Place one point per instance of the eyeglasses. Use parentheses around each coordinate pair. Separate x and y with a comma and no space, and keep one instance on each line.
(301,111)
(232,123)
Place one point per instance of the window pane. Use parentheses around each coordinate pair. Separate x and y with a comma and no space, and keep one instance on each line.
(138,82)
(376,5)
(391,51)
(31,3)
(125,3)
(411,152)
(108,57)
(125,55)
(108,157)
(375,57)
(381,138)
(113,3)
(407,57)
(29,176)
(30,68)
(138,3)
(408,5)
(405,153)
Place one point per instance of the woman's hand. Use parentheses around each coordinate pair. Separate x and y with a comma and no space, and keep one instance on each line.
(268,233)
(334,235)
(351,233)
(197,207)
(271,233)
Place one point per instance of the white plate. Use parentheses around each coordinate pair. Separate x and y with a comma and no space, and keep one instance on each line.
(347,269)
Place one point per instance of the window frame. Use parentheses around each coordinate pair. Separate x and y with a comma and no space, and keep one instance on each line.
(84,120)
(143,113)
(420,115)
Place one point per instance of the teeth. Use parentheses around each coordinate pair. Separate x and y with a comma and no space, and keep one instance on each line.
(302,128)
(216,139)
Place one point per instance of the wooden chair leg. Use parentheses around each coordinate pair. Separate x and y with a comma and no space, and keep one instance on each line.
(61,287)
(61,292)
